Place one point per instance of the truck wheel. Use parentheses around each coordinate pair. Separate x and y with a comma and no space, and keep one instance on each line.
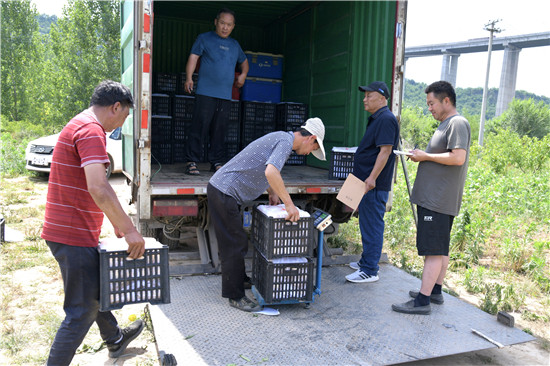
(169,360)
(109,170)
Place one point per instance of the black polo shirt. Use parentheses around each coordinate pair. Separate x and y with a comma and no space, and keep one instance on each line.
(382,129)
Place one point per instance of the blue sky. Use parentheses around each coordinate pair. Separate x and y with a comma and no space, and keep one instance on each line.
(440,21)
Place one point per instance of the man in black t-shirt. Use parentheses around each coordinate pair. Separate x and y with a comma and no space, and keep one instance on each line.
(373,164)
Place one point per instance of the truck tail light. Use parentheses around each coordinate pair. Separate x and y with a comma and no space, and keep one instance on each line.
(176,207)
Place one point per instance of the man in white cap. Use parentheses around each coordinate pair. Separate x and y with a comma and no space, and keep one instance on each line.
(244,178)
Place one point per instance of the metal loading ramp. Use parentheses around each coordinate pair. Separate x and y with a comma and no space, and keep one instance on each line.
(349,324)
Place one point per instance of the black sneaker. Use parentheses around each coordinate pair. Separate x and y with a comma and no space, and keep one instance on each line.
(435,298)
(245,304)
(128,334)
(409,308)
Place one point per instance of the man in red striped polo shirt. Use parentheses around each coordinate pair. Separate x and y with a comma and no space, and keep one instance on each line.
(78,196)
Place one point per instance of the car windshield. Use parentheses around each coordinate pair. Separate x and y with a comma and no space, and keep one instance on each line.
(116,134)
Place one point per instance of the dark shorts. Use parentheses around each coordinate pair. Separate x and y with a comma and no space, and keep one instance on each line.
(433,232)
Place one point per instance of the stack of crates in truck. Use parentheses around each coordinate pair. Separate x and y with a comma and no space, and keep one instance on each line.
(172,114)
(283,266)
(290,116)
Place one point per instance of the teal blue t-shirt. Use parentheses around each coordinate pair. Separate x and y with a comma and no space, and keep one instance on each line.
(218,58)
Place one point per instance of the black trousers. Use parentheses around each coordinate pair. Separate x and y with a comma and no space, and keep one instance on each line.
(80,272)
(210,118)
(225,216)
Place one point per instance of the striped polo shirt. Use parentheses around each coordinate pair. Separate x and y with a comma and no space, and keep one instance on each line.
(243,177)
(72,217)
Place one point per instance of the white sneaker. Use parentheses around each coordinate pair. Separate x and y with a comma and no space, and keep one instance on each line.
(361,277)
(354,265)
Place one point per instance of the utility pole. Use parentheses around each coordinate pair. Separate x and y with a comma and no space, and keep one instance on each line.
(491,28)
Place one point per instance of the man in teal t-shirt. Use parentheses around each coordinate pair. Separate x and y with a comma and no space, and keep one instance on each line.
(219,55)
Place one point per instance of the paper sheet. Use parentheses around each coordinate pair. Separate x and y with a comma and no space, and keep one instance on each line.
(352,192)
(120,244)
(268,311)
(279,211)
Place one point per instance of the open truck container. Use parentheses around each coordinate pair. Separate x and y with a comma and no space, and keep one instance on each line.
(329,49)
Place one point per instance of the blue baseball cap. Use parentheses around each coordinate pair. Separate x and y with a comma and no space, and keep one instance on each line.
(377,86)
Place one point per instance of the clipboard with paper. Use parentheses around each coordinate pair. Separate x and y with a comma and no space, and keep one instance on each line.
(352,192)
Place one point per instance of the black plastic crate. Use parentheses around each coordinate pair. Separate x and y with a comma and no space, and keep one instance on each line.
(258,119)
(178,152)
(125,281)
(183,107)
(233,134)
(258,111)
(341,163)
(231,149)
(290,116)
(164,82)
(180,88)
(295,159)
(162,105)
(235,111)
(161,128)
(162,152)
(283,282)
(276,238)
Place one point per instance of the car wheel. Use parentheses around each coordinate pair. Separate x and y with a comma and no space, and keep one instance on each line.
(109,170)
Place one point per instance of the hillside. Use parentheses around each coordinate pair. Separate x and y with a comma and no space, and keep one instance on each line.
(468,99)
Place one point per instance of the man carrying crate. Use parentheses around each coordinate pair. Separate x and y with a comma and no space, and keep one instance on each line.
(244,178)
(78,197)
(373,164)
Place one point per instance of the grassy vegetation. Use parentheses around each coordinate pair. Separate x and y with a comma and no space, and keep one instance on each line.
(500,245)
(31,287)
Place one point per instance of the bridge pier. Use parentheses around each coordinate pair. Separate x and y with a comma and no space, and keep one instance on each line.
(508,77)
(449,68)
(511,46)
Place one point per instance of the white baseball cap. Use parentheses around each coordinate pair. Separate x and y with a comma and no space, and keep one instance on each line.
(316,127)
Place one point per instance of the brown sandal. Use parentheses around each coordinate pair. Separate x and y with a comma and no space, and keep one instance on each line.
(191,169)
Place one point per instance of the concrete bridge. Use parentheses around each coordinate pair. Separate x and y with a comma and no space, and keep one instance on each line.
(511,45)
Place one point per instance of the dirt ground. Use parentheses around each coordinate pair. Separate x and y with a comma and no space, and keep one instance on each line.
(143,350)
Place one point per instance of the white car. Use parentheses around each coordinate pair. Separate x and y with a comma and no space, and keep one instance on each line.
(38,153)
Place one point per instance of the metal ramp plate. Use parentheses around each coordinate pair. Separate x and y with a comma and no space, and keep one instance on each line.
(349,324)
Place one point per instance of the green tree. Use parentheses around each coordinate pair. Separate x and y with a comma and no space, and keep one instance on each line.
(20,58)
(85,44)
(526,118)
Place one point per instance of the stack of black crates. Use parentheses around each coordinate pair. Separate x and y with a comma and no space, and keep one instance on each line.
(290,116)
(277,274)
(172,112)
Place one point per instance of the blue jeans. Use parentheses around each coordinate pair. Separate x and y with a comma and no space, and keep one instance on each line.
(371,222)
(80,272)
